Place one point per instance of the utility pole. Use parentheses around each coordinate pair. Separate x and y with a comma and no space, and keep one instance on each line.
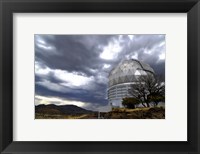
(99,115)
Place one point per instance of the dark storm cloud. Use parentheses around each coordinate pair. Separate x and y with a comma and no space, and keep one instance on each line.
(76,67)
(42,91)
(72,53)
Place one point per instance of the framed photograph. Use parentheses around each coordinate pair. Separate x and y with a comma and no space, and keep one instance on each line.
(99,76)
(107,80)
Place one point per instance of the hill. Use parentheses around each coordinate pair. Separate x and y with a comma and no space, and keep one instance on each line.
(60,110)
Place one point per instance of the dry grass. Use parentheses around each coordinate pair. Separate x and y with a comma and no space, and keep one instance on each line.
(117,113)
(54,116)
(138,113)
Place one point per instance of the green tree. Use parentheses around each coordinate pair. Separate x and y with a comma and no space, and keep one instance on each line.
(148,88)
(130,102)
(156,98)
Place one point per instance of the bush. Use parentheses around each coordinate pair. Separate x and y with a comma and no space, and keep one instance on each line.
(130,102)
(156,98)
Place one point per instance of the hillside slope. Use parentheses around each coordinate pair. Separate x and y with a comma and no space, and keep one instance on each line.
(60,110)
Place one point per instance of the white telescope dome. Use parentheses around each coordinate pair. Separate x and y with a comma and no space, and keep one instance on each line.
(122,77)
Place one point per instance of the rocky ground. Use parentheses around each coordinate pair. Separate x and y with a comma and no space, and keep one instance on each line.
(118,113)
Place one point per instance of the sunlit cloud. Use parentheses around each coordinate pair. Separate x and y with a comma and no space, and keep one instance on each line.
(72,78)
(41,71)
(135,56)
(45,47)
(149,51)
(57,101)
(105,66)
(131,37)
(111,51)
(39,40)
(162,56)
(67,79)
(162,44)
(93,70)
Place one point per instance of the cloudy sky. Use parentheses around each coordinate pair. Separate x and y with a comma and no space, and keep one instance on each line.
(73,69)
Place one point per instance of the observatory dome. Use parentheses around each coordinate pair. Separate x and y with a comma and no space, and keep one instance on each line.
(122,77)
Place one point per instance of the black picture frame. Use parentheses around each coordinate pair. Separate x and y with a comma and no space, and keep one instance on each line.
(8,7)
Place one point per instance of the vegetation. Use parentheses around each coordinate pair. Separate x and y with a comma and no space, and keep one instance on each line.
(137,113)
(156,98)
(148,89)
(66,116)
(130,103)
(116,113)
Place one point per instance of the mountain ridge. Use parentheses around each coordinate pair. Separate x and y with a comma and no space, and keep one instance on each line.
(61,109)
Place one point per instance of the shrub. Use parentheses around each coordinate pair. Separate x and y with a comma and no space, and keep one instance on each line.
(130,102)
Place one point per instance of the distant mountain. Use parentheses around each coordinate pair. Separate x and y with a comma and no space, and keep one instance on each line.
(61,109)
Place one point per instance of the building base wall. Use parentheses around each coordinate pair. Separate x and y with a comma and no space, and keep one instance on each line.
(116,103)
